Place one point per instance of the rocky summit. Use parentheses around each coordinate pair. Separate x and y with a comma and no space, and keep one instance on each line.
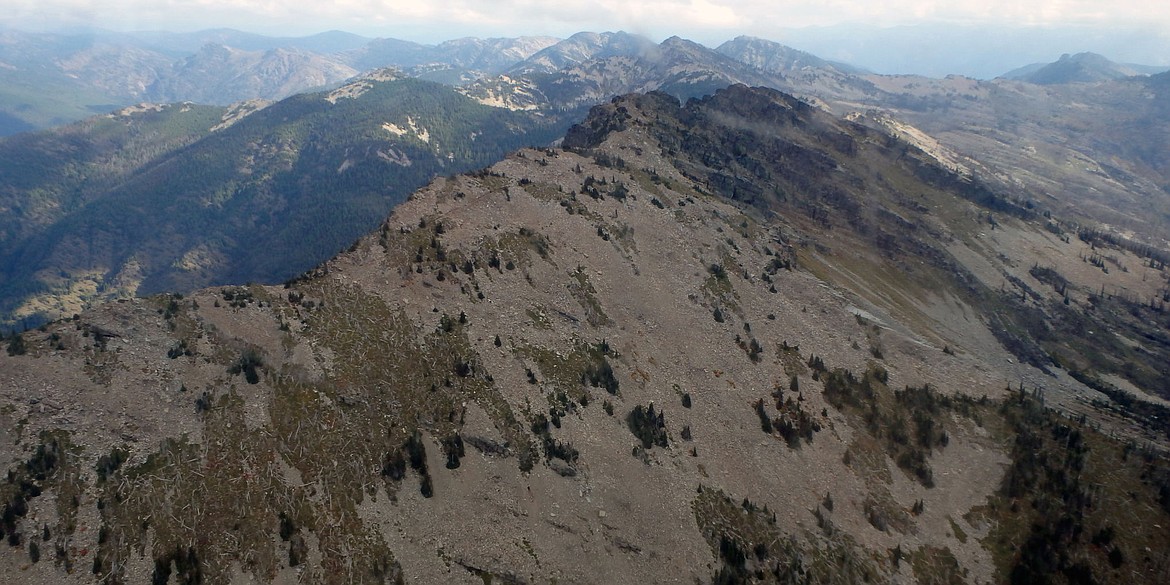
(730,340)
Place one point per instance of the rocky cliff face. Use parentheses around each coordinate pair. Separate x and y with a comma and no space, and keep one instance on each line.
(680,349)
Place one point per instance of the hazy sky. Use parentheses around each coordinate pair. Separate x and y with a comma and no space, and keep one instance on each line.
(706,21)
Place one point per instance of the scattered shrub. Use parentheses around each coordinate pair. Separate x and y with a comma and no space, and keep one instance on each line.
(648,426)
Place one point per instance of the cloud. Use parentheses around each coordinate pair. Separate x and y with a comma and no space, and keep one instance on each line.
(656,18)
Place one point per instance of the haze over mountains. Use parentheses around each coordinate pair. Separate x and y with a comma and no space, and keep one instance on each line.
(972,50)
(94,73)
(1079,68)
(52,78)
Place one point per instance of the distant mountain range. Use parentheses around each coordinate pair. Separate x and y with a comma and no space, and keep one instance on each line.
(676,66)
(983,52)
(1079,68)
(50,79)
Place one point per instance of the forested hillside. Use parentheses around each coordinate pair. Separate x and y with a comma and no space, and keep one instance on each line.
(261,199)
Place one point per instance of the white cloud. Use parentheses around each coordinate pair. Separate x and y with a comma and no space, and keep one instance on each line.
(656,18)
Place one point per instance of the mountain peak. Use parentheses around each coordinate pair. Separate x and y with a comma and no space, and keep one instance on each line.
(582,47)
(216,49)
(1083,67)
(770,55)
(677,42)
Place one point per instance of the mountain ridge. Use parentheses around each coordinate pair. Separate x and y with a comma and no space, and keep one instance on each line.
(192,215)
(773,56)
(491,384)
(1079,68)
